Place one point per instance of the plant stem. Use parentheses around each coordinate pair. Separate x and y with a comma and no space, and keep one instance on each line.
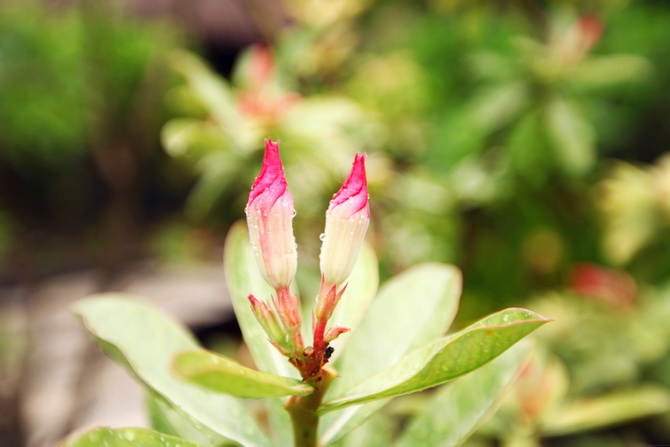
(303,409)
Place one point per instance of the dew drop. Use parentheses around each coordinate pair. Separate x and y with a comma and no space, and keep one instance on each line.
(322,236)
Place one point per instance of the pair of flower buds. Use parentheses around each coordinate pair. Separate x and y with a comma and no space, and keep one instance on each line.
(270,213)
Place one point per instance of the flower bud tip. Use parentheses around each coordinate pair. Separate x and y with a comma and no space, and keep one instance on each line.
(347,221)
(269,218)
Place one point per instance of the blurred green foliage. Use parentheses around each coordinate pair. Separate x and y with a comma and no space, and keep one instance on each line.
(58,69)
(42,111)
(82,87)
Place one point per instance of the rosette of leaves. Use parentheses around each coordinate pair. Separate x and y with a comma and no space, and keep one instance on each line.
(397,347)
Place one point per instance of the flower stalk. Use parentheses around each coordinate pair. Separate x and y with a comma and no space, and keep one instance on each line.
(302,410)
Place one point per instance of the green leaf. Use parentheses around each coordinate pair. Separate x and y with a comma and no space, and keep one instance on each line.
(603,411)
(165,419)
(608,71)
(218,171)
(126,437)
(191,138)
(496,106)
(459,408)
(393,326)
(361,290)
(572,135)
(377,431)
(243,278)
(145,342)
(212,91)
(223,375)
(444,359)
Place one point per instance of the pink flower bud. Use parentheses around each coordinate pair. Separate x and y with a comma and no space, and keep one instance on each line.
(269,218)
(347,221)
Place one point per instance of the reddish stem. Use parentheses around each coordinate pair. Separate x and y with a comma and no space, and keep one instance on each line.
(319,333)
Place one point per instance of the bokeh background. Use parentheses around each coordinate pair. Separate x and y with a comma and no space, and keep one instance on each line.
(524,141)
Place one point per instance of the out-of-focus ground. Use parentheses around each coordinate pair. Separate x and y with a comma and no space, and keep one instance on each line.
(65,382)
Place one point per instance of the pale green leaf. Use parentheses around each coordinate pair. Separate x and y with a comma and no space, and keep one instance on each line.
(460,407)
(145,342)
(573,137)
(223,375)
(603,411)
(361,290)
(244,278)
(126,437)
(499,105)
(410,310)
(444,359)
(280,422)
(192,138)
(218,171)
(212,91)
(606,71)
(377,431)
(165,419)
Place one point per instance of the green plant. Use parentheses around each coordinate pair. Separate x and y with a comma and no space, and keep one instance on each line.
(397,346)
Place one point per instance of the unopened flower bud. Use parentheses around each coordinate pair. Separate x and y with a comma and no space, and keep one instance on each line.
(270,220)
(347,221)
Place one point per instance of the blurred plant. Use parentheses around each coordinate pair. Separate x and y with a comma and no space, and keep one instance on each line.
(616,289)
(608,332)
(507,121)
(81,88)
(396,346)
(635,204)
(593,370)
(538,94)
(541,407)
(224,122)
